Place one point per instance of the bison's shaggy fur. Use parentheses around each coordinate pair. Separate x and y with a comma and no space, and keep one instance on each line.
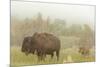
(43,43)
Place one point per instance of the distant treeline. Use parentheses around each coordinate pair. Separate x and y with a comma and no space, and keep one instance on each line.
(58,27)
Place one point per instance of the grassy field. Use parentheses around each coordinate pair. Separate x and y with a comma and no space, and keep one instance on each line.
(67,55)
(19,59)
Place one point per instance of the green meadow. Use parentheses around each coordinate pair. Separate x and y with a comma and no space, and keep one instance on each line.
(19,59)
(67,55)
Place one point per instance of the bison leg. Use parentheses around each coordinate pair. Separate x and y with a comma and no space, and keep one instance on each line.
(57,54)
(41,57)
(38,58)
(52,55)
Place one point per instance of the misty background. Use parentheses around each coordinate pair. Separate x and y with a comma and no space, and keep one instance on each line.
(73,24)
(70,13)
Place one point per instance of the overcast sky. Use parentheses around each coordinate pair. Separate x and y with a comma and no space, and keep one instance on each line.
(80,14)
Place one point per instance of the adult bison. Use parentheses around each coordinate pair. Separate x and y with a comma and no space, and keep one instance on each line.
(45,43)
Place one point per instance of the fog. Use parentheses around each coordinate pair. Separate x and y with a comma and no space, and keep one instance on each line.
(72,14)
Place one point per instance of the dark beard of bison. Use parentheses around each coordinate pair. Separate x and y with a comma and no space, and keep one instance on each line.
(27,52)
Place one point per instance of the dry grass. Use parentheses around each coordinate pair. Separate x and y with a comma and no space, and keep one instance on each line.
(19,59)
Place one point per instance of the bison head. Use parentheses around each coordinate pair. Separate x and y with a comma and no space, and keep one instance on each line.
(27,45)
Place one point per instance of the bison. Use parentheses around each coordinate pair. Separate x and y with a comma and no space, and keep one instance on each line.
(84,51)
(43,43)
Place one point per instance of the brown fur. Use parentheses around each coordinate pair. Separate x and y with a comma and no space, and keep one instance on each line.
(45,43)
(84,51)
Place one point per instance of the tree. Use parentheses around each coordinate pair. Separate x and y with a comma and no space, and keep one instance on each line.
(75,30)
(57,27)
(39,22)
